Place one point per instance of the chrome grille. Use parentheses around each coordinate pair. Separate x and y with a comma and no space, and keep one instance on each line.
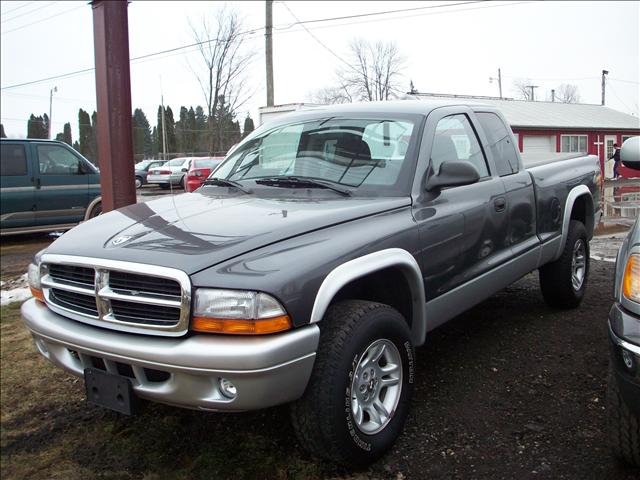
(117,295)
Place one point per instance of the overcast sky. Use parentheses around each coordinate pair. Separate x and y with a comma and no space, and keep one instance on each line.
(453,49)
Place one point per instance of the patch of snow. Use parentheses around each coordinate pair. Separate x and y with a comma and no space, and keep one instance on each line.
(16,290)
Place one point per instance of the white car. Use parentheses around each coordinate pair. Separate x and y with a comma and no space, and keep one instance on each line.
(171,173)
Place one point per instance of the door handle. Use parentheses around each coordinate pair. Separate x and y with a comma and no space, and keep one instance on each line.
(38,184)
(500,204)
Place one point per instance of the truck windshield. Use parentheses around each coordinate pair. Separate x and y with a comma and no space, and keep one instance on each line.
(354,152)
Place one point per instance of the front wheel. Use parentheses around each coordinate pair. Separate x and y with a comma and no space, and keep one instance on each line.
(358,397)
(96,210)
(623,425)
(564,281)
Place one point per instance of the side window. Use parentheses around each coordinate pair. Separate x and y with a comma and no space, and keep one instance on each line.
(57,160)
(500,143)
(455,140)
(13,160)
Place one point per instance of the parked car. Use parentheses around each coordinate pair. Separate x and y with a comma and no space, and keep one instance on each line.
(142,168)
(171,173)
(327,246)
(623,385)
(45,185)
(200,169)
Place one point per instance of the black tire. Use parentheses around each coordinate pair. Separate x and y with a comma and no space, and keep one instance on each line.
(96,210)
(165,186)
(322,418)
(556,282)
(623,425)
(139,182)
(181,184)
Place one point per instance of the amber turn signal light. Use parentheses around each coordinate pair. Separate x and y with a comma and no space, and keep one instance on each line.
(631,279)
(241,327)
(37,294)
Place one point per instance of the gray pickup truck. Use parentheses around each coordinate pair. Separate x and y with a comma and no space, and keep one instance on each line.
(310,265)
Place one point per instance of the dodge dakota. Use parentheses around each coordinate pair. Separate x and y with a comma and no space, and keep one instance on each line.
(309,266)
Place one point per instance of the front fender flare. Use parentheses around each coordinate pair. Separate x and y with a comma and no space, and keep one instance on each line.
(360,267)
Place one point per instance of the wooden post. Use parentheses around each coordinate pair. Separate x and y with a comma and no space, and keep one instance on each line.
(113,94)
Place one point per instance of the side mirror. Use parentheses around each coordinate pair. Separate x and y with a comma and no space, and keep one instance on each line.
(630,153)
(185,169)
(453,174)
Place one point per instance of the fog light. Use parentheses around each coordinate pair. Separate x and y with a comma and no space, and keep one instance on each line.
(228,389)
(627,358)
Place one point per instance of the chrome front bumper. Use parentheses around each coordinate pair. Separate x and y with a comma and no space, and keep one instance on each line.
(267,370)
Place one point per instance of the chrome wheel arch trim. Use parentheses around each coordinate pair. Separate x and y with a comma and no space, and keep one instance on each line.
(373,262)
(574,194)
(94,202)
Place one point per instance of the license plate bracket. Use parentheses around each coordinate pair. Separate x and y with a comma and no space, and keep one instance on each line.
(110,391)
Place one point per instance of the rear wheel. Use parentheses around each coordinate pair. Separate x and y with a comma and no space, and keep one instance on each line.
(138,182)
(96,210)
(564,281)
(164,186)
(357,399)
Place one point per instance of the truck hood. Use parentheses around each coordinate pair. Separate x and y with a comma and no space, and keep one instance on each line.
(197,230)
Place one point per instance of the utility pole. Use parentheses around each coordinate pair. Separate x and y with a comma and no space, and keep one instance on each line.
(533,95)
(553,95)
(499,79)
(113,92)
(604,72)
(269,51)
(54,89)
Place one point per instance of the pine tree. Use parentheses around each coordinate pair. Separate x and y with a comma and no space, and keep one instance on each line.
(36,127)
(202,140)
(141,133)
(66,134)
(2,134)
(181,132)
(171,130)
(248,126)
(94,137)
(85,135)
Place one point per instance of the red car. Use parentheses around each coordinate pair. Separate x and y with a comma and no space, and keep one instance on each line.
(200,170)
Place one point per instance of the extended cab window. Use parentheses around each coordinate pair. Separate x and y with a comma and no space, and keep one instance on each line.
(14,160)
(500,143)
(455,140)
(57,160)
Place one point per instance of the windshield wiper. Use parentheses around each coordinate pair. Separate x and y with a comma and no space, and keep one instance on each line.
(301,182)
(223,182)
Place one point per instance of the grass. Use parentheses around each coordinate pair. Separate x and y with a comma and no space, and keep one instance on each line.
(49,431)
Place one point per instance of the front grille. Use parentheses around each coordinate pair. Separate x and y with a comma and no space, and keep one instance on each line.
(142,313)
(73,274)
(117,295)
(75,301)
(141,283)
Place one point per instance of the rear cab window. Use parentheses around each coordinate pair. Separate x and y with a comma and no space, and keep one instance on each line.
(500,143)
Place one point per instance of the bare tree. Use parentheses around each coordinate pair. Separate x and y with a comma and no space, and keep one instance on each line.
(567,93)
(331,95)
(522,88)
(374,72)
(221,43)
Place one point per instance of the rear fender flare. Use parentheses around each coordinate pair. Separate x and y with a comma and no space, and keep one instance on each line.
(574,194)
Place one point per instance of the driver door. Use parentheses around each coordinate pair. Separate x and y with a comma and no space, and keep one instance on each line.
(462,229)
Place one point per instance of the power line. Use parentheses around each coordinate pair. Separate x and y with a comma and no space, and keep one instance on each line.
(40,7)
(335,54)
(346,17)
(248,32)
(43,20)
(623,81)
(18,8)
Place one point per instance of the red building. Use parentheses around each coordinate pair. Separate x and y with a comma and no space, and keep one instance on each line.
(562,127)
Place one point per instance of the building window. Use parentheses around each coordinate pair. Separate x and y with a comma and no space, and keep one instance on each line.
(573,143)
(626,137)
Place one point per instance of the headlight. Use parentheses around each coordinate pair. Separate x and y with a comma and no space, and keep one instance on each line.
(33,277)
(237,312)
(631,279)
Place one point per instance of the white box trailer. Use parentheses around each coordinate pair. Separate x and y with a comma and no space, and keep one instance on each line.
(266,114)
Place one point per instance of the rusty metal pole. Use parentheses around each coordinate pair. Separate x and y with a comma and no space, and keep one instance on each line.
(113,94)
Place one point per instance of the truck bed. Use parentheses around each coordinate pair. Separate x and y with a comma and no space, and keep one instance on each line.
(536,159)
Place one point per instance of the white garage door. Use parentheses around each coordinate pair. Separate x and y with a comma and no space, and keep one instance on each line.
(538,143)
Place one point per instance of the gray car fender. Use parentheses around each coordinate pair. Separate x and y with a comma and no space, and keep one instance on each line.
(361,266)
